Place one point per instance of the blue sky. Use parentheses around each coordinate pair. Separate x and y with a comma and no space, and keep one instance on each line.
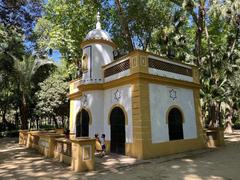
(56,56)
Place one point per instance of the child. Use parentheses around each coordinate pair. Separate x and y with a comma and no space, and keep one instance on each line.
(103,144)
(98,144)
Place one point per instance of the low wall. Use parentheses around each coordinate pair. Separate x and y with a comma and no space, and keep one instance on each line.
(63,150)
(215,137)
(78,152)
(23,137)
(59,131)
(83,158)
(47,143)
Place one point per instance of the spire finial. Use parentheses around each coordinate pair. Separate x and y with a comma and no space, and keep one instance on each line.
(98,25)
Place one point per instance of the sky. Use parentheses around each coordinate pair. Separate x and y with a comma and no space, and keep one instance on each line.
(56,56)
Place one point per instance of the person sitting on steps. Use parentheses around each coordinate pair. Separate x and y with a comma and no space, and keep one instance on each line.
(98,147)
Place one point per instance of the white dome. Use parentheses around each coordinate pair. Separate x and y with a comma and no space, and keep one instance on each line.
(98,34)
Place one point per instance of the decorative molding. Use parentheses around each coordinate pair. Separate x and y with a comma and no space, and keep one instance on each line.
(173,94)
(84,100)
(117,95)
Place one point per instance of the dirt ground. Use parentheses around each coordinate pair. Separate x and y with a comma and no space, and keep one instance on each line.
(17,162)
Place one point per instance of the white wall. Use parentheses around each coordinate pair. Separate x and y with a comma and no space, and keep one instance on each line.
(160,102)
(95,104)
(170,74)
(126,101)
(100,104)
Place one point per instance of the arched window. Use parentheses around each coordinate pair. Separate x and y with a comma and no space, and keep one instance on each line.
(82,124)
(175,124)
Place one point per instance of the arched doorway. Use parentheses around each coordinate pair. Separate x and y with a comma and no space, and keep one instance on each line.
(82,124)
(175,124)
(117,123)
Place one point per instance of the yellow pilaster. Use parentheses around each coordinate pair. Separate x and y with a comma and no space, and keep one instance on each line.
(141,119)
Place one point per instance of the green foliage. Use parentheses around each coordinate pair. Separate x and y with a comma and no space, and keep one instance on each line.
(201,32)
(64,25)
(52,97)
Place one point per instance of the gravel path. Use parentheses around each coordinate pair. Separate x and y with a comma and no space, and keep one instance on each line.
(17,162)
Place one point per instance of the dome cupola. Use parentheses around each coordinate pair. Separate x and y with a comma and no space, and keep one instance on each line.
(97,51)
(98,33)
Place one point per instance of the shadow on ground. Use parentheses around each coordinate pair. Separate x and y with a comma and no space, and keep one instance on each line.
(17,162)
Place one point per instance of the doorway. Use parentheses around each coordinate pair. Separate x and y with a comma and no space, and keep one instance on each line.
(175,124)
(118,136)
(82,124)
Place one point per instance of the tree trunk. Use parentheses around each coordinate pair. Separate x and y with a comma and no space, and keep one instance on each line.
(16,119)
(228,123)
(4,120)
(24,113)
(199,32)
(62,118)
(219,115)
(55,121)
(37,121)
(212,116)
(124,24)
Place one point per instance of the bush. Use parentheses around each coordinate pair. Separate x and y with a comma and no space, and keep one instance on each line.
(14,133)
(46,127)
(7,127)
(236,125)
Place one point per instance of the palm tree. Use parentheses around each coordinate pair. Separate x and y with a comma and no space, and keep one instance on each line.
(25,71)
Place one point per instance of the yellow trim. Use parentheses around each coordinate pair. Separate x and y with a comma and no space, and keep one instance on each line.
(98,41)
(139,63)
(177,107)
(122,108)
(89,114)
(74,80)
(140,118)
(200,131)
(195,75)
(90,87)
(74,95)
(171,147)
(131,80)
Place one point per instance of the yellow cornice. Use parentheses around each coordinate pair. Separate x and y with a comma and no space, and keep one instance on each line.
(74,95)
(90,87)
(74,80)
(130,80)
(98,41)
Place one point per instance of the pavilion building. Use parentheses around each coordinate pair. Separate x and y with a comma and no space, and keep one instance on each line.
(146,105)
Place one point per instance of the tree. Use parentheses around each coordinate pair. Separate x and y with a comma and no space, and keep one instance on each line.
(204,33)
(52,98)
(25,70)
